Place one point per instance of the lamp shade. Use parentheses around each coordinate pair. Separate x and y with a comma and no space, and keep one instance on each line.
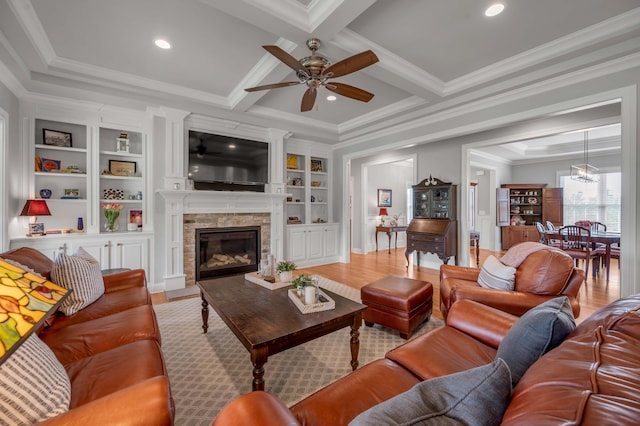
(383,211)
(27,300)
(35,208)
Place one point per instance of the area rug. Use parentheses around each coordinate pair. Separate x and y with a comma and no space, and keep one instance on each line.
(207,371)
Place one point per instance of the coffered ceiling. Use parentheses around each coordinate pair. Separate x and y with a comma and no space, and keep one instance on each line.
(434,54)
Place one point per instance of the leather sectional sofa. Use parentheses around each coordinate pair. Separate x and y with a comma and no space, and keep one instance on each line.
(111,352)
(592,377)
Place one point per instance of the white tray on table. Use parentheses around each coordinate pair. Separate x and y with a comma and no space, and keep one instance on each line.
(326,303)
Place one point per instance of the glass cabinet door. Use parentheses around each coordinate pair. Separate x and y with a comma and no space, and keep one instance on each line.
(421,203)
(440,203)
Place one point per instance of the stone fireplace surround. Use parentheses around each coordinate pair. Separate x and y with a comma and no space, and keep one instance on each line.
(218,220)
(186,210)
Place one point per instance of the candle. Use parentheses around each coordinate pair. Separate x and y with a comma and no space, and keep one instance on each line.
(309,295)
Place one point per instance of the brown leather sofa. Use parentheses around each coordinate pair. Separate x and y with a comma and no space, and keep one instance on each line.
(543,275)
(111,352)
(591,378)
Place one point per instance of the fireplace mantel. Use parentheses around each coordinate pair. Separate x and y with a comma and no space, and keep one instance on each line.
(177,203)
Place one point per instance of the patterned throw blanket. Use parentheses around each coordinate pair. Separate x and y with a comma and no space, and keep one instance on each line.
(518,253)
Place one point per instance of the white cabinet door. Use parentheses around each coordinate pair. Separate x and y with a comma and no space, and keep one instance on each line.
(131,254)
(98,249)
(331,241)
(296,247)
(315,242)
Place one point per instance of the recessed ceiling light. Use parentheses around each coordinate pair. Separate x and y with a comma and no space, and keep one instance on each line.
(331,98)
(232,146)
(162,44)
(494,9)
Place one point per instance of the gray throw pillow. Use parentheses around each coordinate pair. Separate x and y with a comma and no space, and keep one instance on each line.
(81,273)
(478,396)
(538,331)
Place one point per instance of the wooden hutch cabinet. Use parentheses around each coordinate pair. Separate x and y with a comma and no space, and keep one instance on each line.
(520,206)
(434,228)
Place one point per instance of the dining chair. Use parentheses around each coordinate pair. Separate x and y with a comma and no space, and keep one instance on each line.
(550,226)
(576,242)
(544,238)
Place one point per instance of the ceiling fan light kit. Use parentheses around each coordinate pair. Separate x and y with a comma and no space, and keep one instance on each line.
(315,70)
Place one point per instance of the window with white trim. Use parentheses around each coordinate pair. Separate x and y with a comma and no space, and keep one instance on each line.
(597,202)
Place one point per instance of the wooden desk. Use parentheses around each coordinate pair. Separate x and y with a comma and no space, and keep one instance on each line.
(389,230)
(474,237)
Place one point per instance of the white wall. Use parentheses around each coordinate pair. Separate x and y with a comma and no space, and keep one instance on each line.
(10,184)
(547,172)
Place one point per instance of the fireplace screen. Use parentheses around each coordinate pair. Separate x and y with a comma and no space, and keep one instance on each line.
(226,251)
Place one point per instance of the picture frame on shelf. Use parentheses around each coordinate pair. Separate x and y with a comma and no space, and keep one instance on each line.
(135,217)
(71,193)
(292,162)
(317,165)
(50,165)
(56,138)
(384,198)
(122,145)
(36,228)
(122,168)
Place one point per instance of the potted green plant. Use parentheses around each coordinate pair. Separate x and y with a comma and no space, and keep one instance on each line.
(285,268)
(300,282)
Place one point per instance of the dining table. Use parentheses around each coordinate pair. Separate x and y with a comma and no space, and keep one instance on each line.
(602,237)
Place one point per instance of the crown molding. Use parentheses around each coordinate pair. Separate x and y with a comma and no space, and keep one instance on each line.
(594,34)
(381,113)
(354,42)
(265,66)
(28,20)
(599,70)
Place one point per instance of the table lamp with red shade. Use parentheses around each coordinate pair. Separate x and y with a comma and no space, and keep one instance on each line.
(383,212)
(35,208)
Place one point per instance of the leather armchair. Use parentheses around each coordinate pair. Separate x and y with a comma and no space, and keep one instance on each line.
(543,275)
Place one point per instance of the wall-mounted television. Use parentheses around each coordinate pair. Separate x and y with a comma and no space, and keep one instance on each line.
(223,163)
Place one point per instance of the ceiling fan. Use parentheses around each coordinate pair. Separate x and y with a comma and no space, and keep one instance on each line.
(200,150)
(315,70)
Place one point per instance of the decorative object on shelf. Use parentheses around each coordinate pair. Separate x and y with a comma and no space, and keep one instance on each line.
(56,138)
(285,268)
(38,164)
(139,195)
(35,208)
(45,193)
(294,220)
(135,218)
(315,183)
(122,143)
(384,198)
(28,300)
(80,226)
(71,193)
(296,182)
(122,168)
(585,172)
(292,162)
(113,194)
(532,200)
(111,214)
(313,198)
(49,165)
(316,165)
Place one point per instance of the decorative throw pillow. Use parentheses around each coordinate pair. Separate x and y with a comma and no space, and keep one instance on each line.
(494,274)
(478,396)
(538,331)
(34,386)
(81,273)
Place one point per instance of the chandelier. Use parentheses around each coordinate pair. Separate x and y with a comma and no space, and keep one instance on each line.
(585,172)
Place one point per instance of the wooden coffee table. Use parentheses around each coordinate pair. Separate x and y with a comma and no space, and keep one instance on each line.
(266,322)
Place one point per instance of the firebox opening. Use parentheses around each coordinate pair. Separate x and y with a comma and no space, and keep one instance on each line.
(226,251)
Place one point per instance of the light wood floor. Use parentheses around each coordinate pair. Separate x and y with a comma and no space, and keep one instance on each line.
(363,269)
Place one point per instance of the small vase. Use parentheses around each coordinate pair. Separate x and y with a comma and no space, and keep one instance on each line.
(286,276)
(112,225)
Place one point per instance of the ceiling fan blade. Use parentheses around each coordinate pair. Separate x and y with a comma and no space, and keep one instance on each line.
(308,99)
(272,86)
(350,91)
(287,59)
(351,64)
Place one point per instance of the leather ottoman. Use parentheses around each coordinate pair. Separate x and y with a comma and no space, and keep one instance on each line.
(398,303)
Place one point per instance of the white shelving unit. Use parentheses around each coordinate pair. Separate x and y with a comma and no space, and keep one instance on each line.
(75,168)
